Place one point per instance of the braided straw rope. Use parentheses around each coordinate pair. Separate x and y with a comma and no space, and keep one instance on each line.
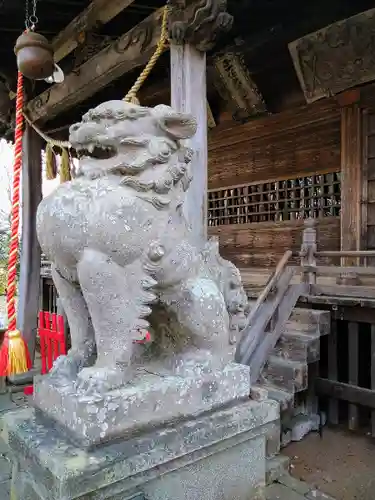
(131,96)
(47,138)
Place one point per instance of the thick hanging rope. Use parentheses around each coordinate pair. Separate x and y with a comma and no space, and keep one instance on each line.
(131,96)
(14,355)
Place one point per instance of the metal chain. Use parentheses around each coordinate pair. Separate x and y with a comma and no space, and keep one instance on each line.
(31,20)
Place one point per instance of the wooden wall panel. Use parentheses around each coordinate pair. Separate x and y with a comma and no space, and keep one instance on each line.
(289,144)
(368,181)
(351,180)
(264,243)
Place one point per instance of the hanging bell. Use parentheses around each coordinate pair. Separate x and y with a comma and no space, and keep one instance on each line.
(34,56)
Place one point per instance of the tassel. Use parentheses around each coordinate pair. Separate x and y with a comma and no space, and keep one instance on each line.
(51,166)
(14,355)
(65,166)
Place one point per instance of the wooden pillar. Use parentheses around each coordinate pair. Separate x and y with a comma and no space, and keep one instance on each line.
(188,95)
(351,174)
(193,30)
(29,284)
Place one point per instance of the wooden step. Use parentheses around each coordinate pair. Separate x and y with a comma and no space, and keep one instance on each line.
(298,346)
(309,321)
(285,374)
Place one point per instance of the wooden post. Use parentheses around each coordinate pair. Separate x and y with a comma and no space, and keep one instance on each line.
(188,95)
(353,375)
(308,251)
(28,295)
(351,173)
(373,376)
(333,372)
(193,29)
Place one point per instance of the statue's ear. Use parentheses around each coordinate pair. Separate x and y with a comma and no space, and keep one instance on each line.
(177,125)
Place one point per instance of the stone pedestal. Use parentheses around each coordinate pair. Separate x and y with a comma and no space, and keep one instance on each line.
(189,386)
(219,455)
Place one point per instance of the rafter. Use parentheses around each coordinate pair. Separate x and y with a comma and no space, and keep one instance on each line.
(98,12)
(129,51)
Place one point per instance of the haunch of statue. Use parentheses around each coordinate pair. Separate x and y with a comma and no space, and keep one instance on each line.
(121,248)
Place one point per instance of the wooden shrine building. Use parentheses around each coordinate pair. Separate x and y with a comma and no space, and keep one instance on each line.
(290,118)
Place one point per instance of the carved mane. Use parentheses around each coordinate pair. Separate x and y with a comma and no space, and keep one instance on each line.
(138,139)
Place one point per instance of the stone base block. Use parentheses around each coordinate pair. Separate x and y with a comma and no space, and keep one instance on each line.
(152,398)
(220,455)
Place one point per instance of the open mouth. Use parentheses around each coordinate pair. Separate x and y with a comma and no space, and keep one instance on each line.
(97,151)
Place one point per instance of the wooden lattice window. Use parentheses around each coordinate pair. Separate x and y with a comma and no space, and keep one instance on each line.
(290,199)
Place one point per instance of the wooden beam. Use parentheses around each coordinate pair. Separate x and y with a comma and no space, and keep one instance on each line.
(129,51)
(345,392)
(98,12)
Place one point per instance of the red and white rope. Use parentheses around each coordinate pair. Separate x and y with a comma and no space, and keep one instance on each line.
(15,219)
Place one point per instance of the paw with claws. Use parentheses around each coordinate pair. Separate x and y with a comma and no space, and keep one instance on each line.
(99,380)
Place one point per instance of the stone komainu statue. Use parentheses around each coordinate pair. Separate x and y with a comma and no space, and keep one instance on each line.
(121,250)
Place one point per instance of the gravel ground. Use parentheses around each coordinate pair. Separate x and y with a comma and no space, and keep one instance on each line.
(341,464)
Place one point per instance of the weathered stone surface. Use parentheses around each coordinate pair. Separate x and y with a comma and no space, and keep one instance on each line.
(285,374)
(281,492)
(276,467)
(310,321)
(220,455)
(188,388)
(125,263)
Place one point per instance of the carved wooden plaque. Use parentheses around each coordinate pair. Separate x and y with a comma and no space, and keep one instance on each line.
(337,57)
(238,87)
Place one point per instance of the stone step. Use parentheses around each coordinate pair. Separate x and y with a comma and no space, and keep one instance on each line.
(309,321)
(278,491)
(290,376)
(262,391)
(276,468)
(273,439)
(298,346)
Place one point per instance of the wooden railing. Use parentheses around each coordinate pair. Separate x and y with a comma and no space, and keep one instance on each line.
(344,280)
(287,284)
(347,373)
(268,316)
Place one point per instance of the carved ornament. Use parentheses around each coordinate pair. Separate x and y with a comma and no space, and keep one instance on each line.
(337,57)
(92,44)
(199,23)
(236,85)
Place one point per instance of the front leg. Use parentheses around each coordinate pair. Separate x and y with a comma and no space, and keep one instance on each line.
(118,300)
(83,348)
